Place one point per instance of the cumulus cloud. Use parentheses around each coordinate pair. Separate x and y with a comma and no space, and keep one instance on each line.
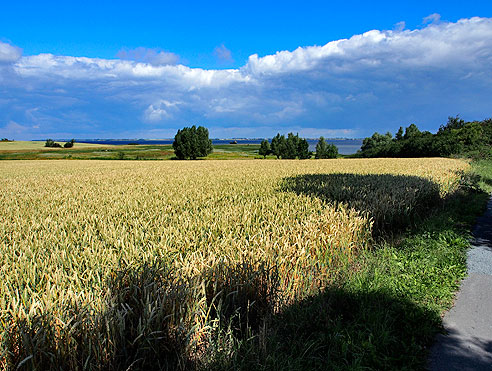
(377,80)
(9,53)
(223,54)
(155,57)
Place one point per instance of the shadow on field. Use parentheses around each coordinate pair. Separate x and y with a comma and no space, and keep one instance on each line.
(392,201)
(341,329)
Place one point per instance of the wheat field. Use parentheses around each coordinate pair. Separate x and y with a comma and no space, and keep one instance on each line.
(106,263)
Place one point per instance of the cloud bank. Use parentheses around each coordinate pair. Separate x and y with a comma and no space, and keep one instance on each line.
(378,80)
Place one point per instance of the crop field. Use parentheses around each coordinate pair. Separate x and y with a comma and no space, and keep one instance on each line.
(118,264)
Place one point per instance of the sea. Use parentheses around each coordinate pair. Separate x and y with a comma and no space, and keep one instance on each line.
(345,146)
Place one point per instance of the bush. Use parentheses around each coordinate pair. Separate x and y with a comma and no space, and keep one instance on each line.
(190,143)
(52,144)
(69,144)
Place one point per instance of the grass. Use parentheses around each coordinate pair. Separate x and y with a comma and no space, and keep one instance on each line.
(219,264)
(85,151)
(38,145)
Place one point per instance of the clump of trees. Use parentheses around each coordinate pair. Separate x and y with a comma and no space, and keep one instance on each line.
(52,144)
(293,146)
(456,137)
(286,148)
(191,143)
(325,150)
(69,144)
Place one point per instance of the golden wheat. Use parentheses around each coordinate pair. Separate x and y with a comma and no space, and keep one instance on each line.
(69,228)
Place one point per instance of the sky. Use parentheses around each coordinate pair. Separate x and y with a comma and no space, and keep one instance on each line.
(145,69)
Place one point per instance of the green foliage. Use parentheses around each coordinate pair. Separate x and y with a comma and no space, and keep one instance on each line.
(264,148)
(278,145)
(69,144)
(456,137)
(52,144)
(291,147)
(192,142)
(303,149)
(325,150)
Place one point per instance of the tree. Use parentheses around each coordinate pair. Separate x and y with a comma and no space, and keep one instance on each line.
(321,148)
(278,145)
(303,149)
(190,143)
(264,148)
(411,132)
(291,146)
(399,134)
(69,144)
(51,143)
(331,151)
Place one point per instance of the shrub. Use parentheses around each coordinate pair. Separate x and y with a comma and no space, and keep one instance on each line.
(69,144)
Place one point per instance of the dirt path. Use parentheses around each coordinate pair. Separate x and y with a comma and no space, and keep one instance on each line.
(468,342)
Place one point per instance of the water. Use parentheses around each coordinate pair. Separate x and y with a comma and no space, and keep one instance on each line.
(345,146)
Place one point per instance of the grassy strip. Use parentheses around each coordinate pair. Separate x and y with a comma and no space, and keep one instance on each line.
(83,151)
(385,313)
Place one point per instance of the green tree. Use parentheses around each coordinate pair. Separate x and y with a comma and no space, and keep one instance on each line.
(291,147)
(399,134)
(278,145)
(192,142)
(411,132)
(325,150)
(331,151)
(69,144)
(51,143)
(303,149)
(321,148)
(264,148)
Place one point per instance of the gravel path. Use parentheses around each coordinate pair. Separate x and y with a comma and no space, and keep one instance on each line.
(468,342)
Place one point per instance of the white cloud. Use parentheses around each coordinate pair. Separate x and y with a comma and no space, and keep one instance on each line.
(9,53)
(223,54)
(432,18)
(159,110)
(377,80)
(155,57)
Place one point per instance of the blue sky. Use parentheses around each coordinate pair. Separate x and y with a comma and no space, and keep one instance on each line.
(128,69)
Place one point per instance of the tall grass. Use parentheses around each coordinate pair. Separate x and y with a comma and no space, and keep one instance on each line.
(153,264)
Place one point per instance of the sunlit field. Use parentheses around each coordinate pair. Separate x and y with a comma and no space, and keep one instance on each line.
(106,263)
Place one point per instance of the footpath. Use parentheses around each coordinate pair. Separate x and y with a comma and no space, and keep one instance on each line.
(467,344)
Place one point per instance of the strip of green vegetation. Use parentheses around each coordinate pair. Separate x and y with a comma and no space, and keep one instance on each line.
(126,152)
(383,314)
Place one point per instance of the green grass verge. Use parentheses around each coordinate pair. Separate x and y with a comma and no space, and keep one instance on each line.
(383,314)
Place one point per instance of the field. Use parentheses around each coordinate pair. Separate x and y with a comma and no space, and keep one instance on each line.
(164,264)
(34,150)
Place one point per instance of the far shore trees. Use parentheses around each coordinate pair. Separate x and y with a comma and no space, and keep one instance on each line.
(191,143)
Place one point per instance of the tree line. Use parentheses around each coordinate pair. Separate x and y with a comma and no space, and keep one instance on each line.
(193,142)
(52,144)
(293,146)
(456,137)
